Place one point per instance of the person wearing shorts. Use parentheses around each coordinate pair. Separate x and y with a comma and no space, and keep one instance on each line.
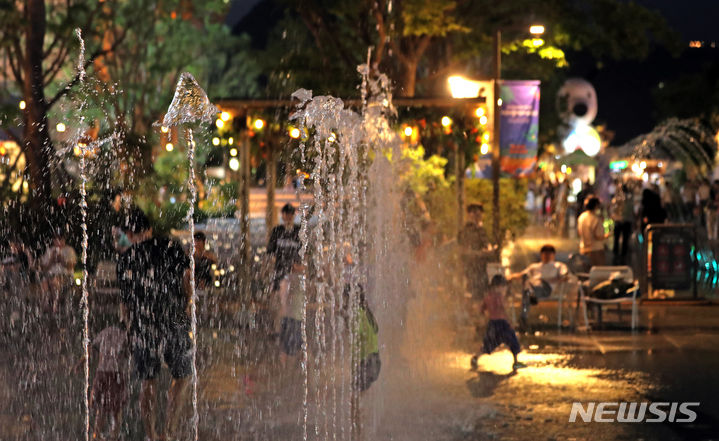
(153,276)
(109,388)
(291,310)
(499,331)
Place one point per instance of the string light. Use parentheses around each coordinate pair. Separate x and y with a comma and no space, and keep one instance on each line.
(259,124)
(294,133)
(169,147)
(408,131)
(220,124)
(215,141)
(446,121)
(60,127)
(22,105)
(225,116)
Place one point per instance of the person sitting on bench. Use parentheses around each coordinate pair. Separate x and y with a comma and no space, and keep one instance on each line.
(540,280)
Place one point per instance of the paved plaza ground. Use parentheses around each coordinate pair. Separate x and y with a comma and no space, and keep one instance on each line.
(426,390)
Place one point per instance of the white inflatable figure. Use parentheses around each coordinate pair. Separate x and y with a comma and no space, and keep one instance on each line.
(577,102)
(577,106)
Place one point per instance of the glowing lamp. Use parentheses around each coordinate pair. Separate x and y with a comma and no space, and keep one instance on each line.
(294,133)
(259,124)
(220,124)
(215,141)
(461,87)
(225,116)
(408,131)
(446,121)
(234,164)
(536,29)
(169,147)
(60,127)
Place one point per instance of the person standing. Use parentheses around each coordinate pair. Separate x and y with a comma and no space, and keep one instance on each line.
(591,233)
(622,212)
(475,246)
(154,278)
(57,269)
(651,211)
(283,246)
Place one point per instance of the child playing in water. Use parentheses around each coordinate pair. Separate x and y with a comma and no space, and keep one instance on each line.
(109,391)
(498,330)
(291,309)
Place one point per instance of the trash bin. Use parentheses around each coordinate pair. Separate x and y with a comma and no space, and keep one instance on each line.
(670,268)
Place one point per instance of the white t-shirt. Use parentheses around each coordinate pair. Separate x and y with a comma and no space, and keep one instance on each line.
(111,342)
(549,272)
(591,232)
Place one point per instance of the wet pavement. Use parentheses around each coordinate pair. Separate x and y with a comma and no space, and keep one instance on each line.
(426,390)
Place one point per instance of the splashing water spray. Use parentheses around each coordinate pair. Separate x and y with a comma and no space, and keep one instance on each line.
(347,156)
(190,105)
(84,150)
(83,209)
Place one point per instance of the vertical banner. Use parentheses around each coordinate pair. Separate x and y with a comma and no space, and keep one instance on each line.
(519,126)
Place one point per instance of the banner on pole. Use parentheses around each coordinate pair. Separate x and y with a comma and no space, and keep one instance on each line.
(519,126)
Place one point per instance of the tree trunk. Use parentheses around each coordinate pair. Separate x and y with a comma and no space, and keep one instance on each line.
(37,145)
(409,78)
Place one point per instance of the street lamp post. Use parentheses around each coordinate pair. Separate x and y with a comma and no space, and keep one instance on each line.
(495,141)
(496,153)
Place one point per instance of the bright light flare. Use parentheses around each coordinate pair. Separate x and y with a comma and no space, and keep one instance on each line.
(259,124)
(446,121)
(479,112)
(408,131)
(215,141)
(60,127)
(294,133)
(461,87)
(234,164)
(169,147)
(536,29)
(220,124)
(483,120)
(225,116)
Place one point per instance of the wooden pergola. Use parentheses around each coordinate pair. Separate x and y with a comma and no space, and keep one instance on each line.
(243,107)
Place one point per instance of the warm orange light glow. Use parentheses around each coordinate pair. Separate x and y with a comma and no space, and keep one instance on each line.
(536,29)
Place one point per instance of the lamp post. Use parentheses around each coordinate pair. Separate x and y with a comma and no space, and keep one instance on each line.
(496,153)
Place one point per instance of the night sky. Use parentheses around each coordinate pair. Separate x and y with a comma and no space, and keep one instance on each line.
(624,89)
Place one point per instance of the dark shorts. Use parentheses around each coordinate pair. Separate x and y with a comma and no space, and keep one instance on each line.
(498,332)
(368,371)
(109,392)
(541,290)
(290,335)
(175,348)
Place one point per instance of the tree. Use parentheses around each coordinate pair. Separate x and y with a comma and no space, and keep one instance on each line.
(36,46)
(135,52)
